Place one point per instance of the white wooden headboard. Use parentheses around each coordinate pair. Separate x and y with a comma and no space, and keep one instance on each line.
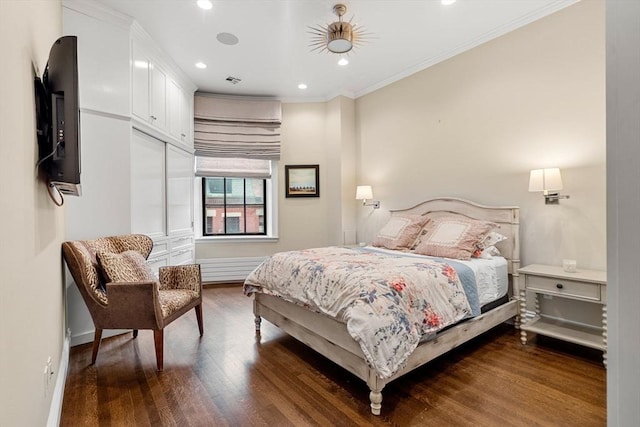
(507,217)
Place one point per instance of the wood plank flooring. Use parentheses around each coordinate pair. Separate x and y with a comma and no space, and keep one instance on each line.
(230,378)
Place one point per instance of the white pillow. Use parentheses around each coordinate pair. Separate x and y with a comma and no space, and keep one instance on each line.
(491,239)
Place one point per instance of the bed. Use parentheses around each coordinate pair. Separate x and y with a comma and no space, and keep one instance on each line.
(333,337)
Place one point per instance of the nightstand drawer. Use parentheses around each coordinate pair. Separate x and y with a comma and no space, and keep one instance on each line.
(569,288)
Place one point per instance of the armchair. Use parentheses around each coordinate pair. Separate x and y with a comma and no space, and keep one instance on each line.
(121,292)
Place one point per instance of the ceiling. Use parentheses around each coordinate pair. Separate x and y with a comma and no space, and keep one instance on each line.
(273,55)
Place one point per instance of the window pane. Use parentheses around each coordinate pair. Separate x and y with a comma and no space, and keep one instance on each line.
(234,206)
(213,221)
(235,220)
(255,219)
(235,191)
(215,187)
(255,191)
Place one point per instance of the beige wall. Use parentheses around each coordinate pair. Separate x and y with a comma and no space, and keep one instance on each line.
(31,289)
(473,126)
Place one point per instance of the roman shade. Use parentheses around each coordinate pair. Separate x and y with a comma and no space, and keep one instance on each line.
(233,167)
(246,128)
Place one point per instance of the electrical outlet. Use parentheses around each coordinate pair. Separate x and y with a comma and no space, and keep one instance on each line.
(50,367)
(47,375)
(45,379)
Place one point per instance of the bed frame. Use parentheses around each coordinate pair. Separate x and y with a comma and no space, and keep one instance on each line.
(330,338)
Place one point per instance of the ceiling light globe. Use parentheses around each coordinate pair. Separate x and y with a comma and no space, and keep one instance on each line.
(343,62)
(339,45)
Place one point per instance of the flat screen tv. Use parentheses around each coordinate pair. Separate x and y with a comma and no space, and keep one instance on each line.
(58,117)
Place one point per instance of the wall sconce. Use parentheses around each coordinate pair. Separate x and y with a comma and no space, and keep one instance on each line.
(549,181)
(364,193)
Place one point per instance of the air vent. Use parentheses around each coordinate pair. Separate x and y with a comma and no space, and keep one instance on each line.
(233,80)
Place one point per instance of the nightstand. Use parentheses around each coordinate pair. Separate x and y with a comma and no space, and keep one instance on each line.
(583,285)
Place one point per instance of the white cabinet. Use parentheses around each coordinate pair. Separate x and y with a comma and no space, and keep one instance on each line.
(174,96)
(139,82)
(158,96)
(584,285)
(147,185)
(179,191)
(162,198)
(180,206)
(179,113)
(161,101)
(149,87)
(186,118)
(182,250)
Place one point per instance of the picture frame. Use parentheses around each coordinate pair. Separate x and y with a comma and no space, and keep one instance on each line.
(302,180)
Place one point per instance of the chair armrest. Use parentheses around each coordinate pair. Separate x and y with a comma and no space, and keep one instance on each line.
(134,305)
(181,277)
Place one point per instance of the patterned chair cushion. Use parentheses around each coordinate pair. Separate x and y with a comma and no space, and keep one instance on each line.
(173,299)
(180,277)
(128,266)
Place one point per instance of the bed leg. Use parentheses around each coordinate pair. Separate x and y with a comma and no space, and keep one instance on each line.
(376,401)
(257,321)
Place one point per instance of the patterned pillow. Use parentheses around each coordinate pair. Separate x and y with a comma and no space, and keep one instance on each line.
(400,232)
(453,237)
(128,266)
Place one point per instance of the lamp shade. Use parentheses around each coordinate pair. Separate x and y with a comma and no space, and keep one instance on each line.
(364,192)
(545,180)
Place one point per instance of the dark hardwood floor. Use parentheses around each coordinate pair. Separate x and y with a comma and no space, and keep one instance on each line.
(230,378)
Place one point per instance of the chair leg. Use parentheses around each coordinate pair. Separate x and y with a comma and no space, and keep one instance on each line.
(199,317)
(158,337)
(97,336)
(135,333)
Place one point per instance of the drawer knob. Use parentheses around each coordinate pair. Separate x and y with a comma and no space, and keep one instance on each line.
(559,285)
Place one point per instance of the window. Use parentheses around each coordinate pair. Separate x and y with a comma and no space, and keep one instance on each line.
(234,206)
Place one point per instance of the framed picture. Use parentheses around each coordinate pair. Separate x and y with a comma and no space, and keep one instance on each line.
(302,180)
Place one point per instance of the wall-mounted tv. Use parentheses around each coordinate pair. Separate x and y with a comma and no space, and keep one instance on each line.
(58,117)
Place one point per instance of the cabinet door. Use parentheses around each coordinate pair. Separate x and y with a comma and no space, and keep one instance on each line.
(174,103)
(158,96)
(139,82)
(186,118)
(147,185)
(179,190)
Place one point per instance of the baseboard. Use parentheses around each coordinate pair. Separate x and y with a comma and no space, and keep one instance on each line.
(88,336)
(55,409)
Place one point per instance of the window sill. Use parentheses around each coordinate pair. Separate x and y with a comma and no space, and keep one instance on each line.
(237,239)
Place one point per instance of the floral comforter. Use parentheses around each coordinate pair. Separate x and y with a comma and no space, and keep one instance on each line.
(388,302)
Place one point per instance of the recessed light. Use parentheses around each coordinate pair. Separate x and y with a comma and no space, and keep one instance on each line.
(302,86)
(343,62)
(201,65)
(204,4)
(447,2)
